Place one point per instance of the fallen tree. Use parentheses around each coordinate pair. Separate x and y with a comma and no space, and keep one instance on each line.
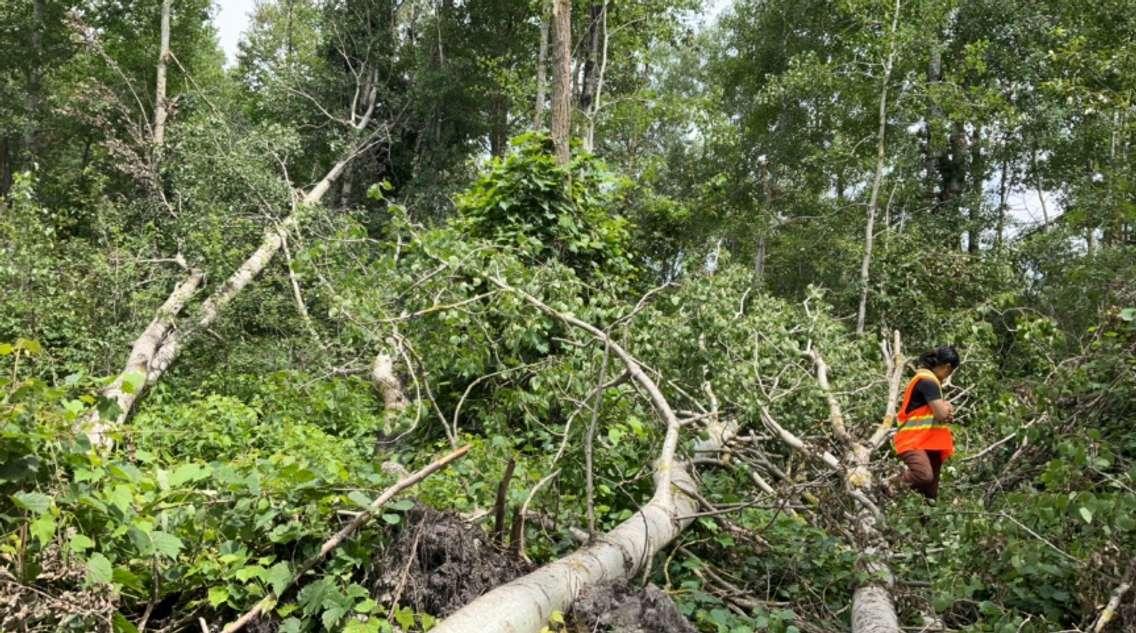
(525,604)
(873,608)
(155,351)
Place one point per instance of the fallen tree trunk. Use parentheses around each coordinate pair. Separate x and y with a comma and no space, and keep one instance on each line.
(155,351)
(873,608)
(525,604)
(132,380)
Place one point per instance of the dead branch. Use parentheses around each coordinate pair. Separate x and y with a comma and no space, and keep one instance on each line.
(342,535)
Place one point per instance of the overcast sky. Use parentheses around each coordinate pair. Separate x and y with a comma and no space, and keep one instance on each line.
(233,16)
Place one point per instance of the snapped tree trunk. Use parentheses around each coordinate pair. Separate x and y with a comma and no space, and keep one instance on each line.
(877,180)
(561,79)
(159,346)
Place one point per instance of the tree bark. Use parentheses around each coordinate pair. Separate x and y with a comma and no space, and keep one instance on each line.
(561,79)
(1002,195)
(131,382)
(160,106)
(159,346)
(877,180)
(542,68)
(600,50)
(525,604)
(387,382)
(35,75)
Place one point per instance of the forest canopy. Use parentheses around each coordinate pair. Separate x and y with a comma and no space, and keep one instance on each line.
(551,316)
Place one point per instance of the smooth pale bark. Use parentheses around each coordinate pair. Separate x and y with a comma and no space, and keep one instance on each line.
(561,79)
(140,361)
(525,604)
(387,382)
(594,80)
(877,180)
(542,68)
(160,109)
(873,609)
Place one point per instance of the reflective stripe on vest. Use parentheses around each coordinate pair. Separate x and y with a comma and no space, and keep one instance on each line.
(917,428)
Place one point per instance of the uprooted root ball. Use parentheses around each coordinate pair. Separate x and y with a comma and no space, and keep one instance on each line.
(439,563)
(619,608)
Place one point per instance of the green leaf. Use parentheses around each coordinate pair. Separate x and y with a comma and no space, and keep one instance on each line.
(359,499)
(187,473)
(43,529)
(405,618)
(1086,514)
(402,505)
(1127,314)
(33,348)
(34,502)
(392,519)
(252,571)
(121,497)
(99,570)
(127,578)
(119,624)
(132,381)
(81,543)
(166,543)
(278,576)
(6,348)
(366,606)
(218,596)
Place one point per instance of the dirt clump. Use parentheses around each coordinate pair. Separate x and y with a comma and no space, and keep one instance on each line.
(620,608)
(438,563)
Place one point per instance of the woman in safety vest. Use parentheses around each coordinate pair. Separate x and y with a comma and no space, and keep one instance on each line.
(923,439)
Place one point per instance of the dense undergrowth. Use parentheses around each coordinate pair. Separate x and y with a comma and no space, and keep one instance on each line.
(226,478)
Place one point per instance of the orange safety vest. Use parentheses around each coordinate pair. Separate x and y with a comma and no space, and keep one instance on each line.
(918,430)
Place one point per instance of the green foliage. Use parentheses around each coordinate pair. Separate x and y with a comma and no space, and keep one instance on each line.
(526,202)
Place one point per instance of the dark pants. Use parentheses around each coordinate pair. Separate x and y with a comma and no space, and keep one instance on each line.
(922,472)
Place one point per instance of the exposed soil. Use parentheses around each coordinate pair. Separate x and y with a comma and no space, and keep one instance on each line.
(438,563)
(619,608)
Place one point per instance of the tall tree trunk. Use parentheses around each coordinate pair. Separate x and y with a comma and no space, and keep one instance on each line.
(561,79)
(5,165)
(1003,191)
(932,156)
(978,186)
(591,59)
(498,125)
(34,74)
(542,67)
(160,106)
(599,50)
(877,180)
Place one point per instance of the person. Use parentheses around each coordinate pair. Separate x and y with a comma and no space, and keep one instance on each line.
(923,440)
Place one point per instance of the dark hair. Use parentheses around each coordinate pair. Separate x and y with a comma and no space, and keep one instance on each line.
(945,355)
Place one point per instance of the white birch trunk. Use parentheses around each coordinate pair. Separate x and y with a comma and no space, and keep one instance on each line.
(160,110)
(525,604)
(138,364)
(387,382)
(542,68)
(874,199)
(155,351)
